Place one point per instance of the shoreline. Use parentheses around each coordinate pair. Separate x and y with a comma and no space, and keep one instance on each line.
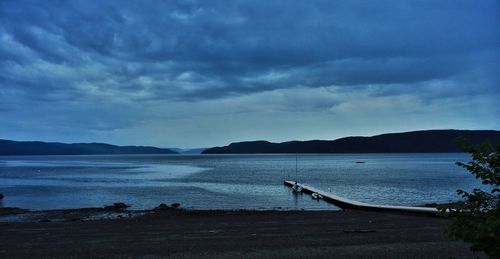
(110,212)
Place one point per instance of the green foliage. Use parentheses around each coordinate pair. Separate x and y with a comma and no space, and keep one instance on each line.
(478,220)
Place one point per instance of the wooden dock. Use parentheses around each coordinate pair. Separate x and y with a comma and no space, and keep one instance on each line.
(352,204)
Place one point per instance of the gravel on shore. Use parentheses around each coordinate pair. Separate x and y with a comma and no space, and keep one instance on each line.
(177,233)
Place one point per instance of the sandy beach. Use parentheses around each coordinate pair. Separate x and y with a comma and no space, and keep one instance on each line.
(177,233)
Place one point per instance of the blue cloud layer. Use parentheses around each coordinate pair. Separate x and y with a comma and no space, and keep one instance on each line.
(66,56)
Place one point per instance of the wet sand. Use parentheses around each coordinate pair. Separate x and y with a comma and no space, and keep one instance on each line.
(178,233)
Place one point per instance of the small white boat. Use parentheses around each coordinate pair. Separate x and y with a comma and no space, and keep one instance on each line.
(297,188)
(317,196)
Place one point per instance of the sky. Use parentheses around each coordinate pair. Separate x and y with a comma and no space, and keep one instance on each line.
(207,73)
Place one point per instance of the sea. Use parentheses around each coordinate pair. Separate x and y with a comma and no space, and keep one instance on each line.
(233,182)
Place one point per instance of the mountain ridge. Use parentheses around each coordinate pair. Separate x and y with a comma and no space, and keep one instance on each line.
(12,147)
(423,141)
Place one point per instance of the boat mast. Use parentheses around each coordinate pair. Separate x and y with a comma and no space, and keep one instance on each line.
(296,167)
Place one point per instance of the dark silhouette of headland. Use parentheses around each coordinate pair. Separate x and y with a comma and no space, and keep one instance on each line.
(9,147)
(426,141)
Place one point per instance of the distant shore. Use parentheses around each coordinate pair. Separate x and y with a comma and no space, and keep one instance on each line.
(425,141)
(179,233)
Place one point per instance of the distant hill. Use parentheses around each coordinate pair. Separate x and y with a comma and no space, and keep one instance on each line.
(9,147)
(193,151)
(188,151)
(407,142)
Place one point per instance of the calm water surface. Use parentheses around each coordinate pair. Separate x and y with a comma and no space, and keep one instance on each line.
(228,181)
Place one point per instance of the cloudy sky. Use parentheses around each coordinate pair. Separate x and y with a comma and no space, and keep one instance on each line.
(205,73)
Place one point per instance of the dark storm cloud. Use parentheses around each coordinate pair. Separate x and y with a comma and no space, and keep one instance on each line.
(210,49)
(123,68)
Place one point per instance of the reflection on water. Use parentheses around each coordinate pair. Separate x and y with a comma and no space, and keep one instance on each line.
(228,181)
